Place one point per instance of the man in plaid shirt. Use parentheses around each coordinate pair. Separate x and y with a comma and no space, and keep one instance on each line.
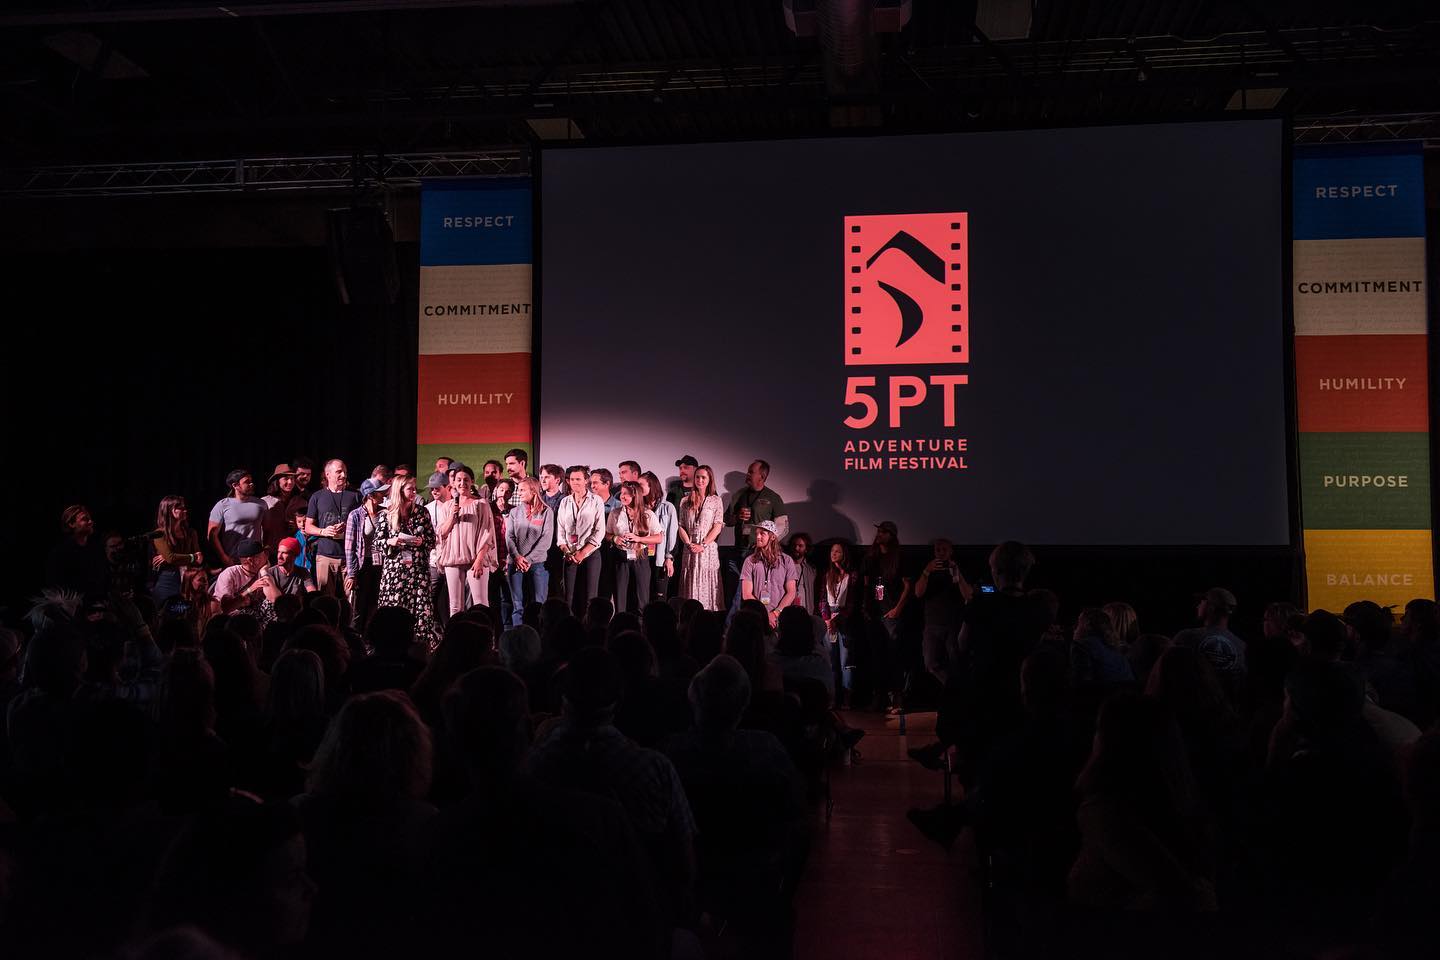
(362,556)
(585,751)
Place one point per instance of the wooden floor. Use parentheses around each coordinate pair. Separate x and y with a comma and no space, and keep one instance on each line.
(874,887)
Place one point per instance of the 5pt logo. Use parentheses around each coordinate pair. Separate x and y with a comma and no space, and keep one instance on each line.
(906,303)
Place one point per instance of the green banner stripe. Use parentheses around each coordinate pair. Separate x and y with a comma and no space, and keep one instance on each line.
(473,455)
(1365,481)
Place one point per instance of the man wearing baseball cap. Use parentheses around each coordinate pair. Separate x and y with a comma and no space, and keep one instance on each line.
(681,489)
(236,517)
(243,583)
(1213,639)
(362,555)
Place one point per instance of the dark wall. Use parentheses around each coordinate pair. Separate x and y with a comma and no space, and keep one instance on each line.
(132,374)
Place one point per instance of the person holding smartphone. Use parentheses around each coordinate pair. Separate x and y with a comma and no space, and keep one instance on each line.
(943,590)
(636,532)
(406,538)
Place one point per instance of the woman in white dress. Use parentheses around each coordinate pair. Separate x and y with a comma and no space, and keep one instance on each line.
(702,517)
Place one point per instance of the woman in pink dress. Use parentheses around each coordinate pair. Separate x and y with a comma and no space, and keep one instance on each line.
(702,517)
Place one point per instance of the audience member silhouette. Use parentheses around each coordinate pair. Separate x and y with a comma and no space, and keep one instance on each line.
(365,817)
(586,751)
(524,869)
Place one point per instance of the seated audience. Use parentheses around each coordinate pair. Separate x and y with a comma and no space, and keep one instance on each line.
(193,769)
(1333,821)
(295,719)
(649,710)
(585,751)
(1096,657)
(521,869)
(796,653)
(397,661)
(748,799)
(1144,839)
(237,873)
(364,816)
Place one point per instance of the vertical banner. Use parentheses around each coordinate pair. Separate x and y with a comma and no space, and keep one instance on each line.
(475,320)
(1361,374)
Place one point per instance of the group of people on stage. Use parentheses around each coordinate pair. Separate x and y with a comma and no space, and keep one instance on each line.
(503,538)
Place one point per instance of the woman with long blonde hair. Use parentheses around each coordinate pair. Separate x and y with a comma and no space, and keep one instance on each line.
(406,538)
(702,517)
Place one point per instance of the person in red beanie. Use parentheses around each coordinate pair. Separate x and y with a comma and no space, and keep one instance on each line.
(285,577)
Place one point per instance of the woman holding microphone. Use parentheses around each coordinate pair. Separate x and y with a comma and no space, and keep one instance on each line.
(467,542)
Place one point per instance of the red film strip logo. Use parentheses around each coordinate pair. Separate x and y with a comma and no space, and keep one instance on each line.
(906,289)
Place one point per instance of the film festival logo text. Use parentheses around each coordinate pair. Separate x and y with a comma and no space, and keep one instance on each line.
(906,304)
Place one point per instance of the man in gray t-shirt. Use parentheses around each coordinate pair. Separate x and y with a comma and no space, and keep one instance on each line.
(285,577)
(240,516)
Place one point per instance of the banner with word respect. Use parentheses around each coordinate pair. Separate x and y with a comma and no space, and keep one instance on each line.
(1361,374)
(475,320)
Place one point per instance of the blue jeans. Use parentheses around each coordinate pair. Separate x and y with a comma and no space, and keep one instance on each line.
(739,591)
(840,660)
(539,583)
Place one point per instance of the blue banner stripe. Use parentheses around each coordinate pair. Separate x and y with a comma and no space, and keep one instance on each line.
(475,222)
(1348,193)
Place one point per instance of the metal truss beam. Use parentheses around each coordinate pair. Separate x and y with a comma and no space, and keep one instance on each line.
(1359,129)
(259,174)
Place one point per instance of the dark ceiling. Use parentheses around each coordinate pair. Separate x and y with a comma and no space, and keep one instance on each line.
(124,82)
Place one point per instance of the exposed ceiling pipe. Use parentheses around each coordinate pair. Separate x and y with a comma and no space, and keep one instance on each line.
(850,50)
(846,37)
(153,12)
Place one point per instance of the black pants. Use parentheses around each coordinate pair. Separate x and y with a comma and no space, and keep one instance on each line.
(364,597)
(588,570)
(638,570)
(659,585)
(610,561)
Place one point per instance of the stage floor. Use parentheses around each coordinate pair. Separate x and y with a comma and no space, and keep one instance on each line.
(874,887)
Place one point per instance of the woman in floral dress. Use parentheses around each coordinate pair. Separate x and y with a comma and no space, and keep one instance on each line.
(406,538)
(702,517)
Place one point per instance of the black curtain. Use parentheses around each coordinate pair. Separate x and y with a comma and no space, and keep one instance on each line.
(135,374)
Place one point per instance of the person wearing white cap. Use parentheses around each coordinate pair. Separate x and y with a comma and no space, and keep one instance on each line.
(768,574)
